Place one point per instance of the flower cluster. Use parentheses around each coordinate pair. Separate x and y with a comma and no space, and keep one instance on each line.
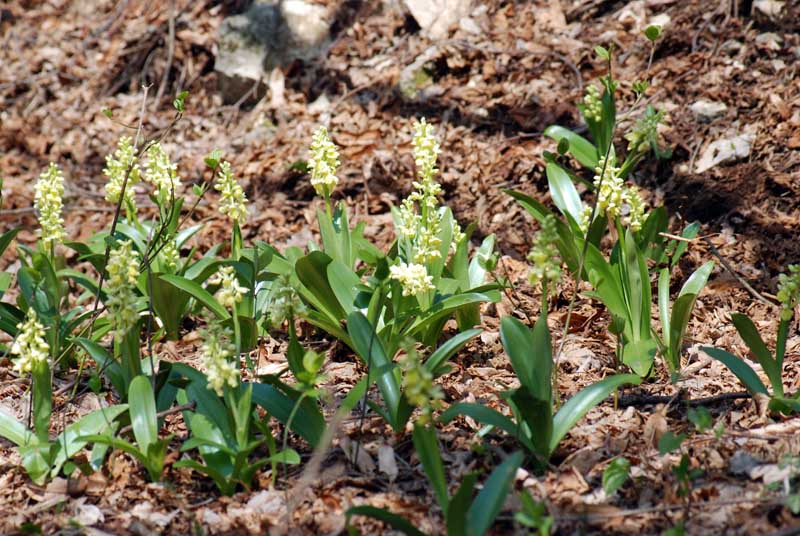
(170,256)
(123,271)
(544,257)
(610,188)
(615,198)
(418,385)
(426,150)
(414,278)
(634,208)
(789,291)
(48,201)
(284,301)
(232,201)
(230,292)
(645,132)
(419,217)
(323,162)
(217,351)
(160,171)
(593,105)
(29,345)
(122,162)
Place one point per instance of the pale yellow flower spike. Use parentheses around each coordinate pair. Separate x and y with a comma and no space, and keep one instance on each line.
(230,292)
(323,161)
(232,201)
(123,272)
(116,167)
(48,201)
(161,172)
(217,351)
(414,278)
(29,345)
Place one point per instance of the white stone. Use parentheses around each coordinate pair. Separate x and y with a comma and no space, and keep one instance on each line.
(725,150)
(469,25)
(708,110)
(436,16)
(770,8)
(269,35)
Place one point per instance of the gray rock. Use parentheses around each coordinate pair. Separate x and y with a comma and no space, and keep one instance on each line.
(741,463)
(770,8)
(708,110)
(725,150)
(436,16)
(414,78)
(270,34)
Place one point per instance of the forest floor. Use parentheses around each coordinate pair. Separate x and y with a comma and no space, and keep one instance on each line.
(491,95)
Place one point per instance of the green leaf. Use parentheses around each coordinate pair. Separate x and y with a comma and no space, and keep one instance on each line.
(536,419)
(563,192)
(7,237)
(71,441)
(143,412)
(105,362)
(566,243)
(652,32)
(793,503)
(582,149)
(605,281)
(577,406)
(444,308)
(489,502)
(615,475)
(663,304)
(198,293)
(459,506)
(369,347)
(689,232)
(740,369)
(485,415)
(208,403)
(670,442)
(701,418)
(226,486)
(749,333)
(393,520)
(117,443)
(639,355)
(178,103)
(286,457)
(169,303)
(530,353)
(344,283)
(312,270)
(13,430)
(450,347)
(602,52)
(213,158)
(42,400)
(477,270)
(10,316)
(278,399)
(36,458)
(426,445)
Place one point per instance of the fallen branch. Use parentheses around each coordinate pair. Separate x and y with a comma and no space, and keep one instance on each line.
(649,400)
